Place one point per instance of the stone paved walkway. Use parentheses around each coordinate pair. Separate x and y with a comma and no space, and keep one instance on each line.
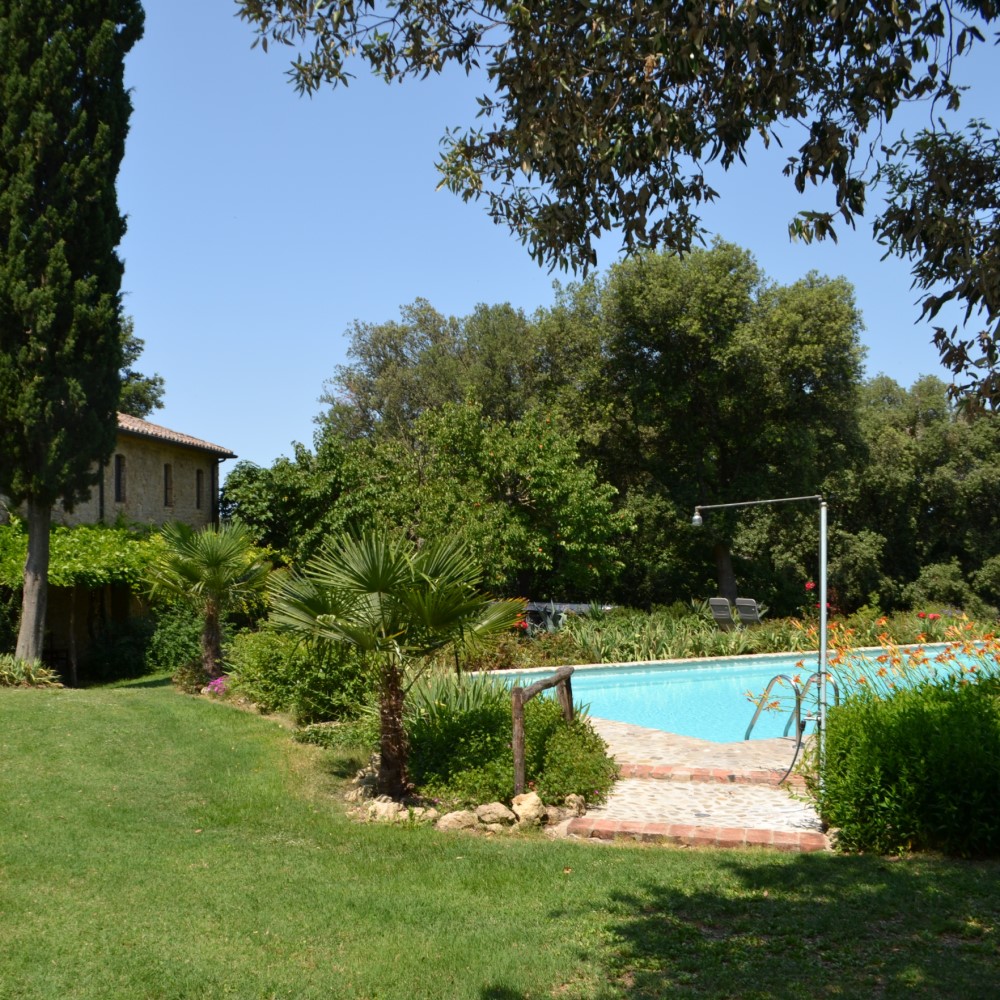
(694,792)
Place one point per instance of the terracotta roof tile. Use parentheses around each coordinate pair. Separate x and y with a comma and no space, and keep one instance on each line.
(143,428)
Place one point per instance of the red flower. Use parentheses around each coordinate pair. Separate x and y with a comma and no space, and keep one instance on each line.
(933,618)
(921,614)
(810,585)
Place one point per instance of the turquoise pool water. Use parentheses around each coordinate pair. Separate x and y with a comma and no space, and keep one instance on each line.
(708,700)
(702,698)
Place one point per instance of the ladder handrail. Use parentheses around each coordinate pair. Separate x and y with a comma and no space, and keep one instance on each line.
(763,701)
(812,679)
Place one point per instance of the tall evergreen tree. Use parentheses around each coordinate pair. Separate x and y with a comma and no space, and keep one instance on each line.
(64,114)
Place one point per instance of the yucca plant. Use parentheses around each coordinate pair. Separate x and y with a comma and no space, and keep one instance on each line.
(396,604)
(15,672)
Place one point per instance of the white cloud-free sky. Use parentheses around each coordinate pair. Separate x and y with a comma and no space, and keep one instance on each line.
(261,224)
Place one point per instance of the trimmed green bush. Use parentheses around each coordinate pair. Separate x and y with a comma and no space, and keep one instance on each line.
(575,762)
(919,770)
(279,673)
(176,639)
(460,735)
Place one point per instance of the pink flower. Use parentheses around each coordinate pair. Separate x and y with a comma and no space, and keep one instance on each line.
(810,585)
(933,618)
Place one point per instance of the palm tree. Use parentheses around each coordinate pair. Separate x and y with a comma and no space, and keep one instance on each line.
(395,603)
(213,571)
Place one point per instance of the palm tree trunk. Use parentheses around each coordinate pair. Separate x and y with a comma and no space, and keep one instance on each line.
(393,747)
(211,643)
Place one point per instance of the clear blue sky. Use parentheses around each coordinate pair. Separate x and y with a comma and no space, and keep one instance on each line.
(261,224)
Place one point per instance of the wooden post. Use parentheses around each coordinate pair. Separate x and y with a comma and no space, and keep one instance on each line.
(517,709)
(565,692)
(519,697)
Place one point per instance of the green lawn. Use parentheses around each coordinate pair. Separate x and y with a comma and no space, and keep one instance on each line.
(154,845)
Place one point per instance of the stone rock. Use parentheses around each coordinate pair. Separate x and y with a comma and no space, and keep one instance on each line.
(385,810)
(556,814)
(559,830)
(462,819)
(424,814)
(576,804)
(495,813)
(496,827)
(529,809)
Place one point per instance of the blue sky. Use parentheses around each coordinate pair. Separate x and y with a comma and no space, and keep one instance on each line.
(262,224)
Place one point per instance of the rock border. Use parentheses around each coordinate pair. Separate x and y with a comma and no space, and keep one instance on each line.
(526,812)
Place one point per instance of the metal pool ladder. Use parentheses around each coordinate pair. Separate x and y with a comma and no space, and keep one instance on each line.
(796,716)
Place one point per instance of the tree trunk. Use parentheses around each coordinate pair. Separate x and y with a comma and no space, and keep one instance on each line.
(392,744)
(211,643)
(724,572)
(73,675)
(31,636)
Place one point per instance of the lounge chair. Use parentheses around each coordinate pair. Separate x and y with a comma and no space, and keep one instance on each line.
(722,613)
(748,611)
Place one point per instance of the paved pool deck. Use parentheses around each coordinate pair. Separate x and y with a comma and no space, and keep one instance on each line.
(691,792)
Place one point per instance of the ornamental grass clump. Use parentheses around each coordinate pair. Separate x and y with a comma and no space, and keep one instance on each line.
(15,672)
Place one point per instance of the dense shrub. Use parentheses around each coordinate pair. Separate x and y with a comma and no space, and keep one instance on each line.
(946,584)
(176,639)
(10,616)
(519,651)
(119,650)
(316,682)
(460,735)
(626,635)
(575,762)
(918,770)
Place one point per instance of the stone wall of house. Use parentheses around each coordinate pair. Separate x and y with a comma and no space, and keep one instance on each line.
(151,494)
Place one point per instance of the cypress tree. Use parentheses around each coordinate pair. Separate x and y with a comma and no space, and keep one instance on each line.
(64,114)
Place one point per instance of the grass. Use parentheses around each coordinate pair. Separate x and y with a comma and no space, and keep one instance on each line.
(159,846)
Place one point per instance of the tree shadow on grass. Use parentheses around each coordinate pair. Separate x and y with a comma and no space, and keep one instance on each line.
(344,763)
(807,927)
(160,681)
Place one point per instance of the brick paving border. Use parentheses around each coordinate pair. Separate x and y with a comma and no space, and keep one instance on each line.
(671,772)
(688,835)
(644,754)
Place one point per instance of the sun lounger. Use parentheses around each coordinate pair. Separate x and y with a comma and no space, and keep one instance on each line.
(722,612)
(748,611)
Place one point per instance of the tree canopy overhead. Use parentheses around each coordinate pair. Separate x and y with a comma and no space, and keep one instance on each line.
(603,116)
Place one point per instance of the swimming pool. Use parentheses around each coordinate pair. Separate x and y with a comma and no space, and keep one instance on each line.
(706,699)
(703,698)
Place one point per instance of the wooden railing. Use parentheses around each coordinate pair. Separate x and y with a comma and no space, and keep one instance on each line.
(520,696)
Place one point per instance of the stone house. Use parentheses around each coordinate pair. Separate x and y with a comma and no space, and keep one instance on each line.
(156,475)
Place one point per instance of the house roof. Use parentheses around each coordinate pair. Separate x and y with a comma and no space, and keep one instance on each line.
(143,428)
